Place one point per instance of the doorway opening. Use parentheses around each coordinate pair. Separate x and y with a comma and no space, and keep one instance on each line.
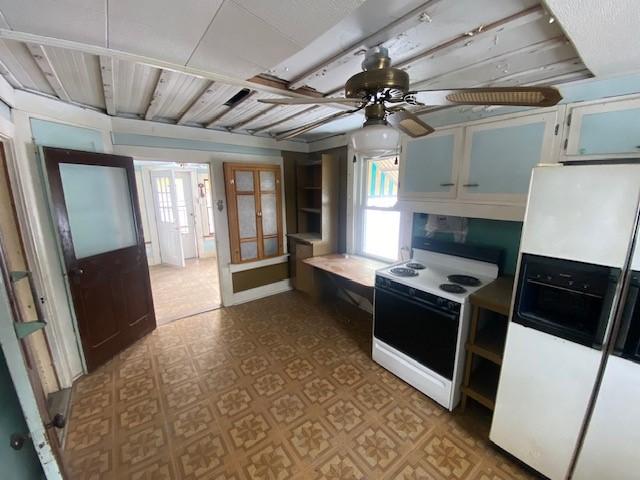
(176,206)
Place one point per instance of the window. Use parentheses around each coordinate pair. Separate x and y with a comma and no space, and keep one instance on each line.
(254,202)
(165,206)
(379,223)
(181,206)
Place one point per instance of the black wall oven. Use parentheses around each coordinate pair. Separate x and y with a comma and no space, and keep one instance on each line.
(628,340)
(421,325)
(567,299)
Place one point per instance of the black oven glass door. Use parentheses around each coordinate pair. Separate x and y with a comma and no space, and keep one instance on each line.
(424,333)
(567,299)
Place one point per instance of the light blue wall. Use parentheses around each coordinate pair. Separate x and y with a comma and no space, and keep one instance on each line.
(53,134)
(209,245)
(5,111)
(583,91)
(138,140)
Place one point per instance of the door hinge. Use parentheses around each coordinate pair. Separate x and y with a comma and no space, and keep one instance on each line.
(566,142)
(557,128)
(568,119)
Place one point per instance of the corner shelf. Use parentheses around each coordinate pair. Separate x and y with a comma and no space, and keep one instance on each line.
(485,346)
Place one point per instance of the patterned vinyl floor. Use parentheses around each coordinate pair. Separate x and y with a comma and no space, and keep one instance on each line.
(180,292)
(276,389)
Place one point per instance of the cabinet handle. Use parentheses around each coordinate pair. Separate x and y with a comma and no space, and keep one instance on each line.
(447,184)
(470,185)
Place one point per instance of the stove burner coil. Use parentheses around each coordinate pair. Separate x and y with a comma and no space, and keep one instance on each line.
(466,280)
(403,272)
(452,288)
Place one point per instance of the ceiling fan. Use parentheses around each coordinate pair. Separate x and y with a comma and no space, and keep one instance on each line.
(383,92)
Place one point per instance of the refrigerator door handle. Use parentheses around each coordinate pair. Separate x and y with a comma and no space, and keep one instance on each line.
(630,305)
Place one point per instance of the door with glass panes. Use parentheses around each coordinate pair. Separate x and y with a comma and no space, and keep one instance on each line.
(254,201)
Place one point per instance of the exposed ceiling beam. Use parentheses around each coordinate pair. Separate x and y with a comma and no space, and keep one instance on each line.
(29,38)
(218,117)
(283,120)
(548,44)
(44,63)
(157,97)
(109,72)
(197,103)
(11,78)
(399,25)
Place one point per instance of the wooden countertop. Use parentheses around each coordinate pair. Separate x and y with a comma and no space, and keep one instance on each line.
(495,296)
(308,238)
(359,270)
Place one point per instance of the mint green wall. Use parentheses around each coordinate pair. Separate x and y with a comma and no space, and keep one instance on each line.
(53,134)
(493,233)
(15,464)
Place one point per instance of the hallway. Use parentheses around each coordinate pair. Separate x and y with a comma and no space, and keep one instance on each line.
(181,292)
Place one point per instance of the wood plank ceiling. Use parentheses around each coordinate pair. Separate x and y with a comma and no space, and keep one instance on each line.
(440,43)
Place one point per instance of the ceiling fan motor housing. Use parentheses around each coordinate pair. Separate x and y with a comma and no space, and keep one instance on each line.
(378,77)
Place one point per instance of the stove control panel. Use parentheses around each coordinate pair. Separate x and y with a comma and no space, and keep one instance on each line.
(418,295)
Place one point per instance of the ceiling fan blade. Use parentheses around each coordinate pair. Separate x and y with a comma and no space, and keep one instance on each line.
(294,132)
(516,96)
(305,101)
(409,123)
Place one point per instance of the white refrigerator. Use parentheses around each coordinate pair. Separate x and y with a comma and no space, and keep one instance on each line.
(573,270)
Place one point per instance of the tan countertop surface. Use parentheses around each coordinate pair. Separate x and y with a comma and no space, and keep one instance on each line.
(495,296)
(357,269)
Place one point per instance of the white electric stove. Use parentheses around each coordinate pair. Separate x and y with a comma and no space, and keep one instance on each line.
(421,314)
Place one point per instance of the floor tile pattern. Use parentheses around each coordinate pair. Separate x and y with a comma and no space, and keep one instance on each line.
(180,292)
(279,388)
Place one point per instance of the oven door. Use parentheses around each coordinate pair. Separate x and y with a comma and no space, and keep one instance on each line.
(421,331)
(567,299)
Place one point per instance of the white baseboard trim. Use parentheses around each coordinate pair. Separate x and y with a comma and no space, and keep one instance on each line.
(261,292)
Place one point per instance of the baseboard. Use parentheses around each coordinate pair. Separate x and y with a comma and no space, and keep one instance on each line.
(261,292)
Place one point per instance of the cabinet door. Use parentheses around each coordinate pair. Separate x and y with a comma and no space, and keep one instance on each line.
(429,165)
(499,156)
(604,129)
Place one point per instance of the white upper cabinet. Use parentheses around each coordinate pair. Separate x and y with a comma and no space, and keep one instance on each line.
(429,166)
(603,129)
(499,156)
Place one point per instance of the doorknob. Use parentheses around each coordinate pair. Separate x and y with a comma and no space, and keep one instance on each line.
(76,271)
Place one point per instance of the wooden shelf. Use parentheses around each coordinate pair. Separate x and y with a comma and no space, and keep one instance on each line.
(310,210)
(483,385)
(489,342)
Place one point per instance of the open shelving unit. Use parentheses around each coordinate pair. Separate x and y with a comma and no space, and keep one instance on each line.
(487,335)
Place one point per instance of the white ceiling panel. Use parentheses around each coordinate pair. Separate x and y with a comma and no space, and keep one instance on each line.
(79,74)
(244,110)
(166,29)
(366,20)
(448,20)
(17,59)
(240,44)
(274,114)
(178,92)
(134,87)
(300,120)
(491,45)
(210,104)
(486,72)
(78,20)
(301,20)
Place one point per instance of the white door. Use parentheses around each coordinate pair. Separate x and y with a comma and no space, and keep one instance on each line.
(186,217)
(164,200)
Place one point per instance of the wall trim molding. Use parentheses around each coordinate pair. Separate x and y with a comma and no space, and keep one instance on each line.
(261,292)
(241,267)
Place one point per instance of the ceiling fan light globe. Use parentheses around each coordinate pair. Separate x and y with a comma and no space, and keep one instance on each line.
(374,141)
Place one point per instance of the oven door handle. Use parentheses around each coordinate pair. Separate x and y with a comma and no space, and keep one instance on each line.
(404,298)
(628,313)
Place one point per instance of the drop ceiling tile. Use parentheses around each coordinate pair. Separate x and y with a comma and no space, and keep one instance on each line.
(18,60)
(240,44)
(78,20)
(301,20)
(166,29)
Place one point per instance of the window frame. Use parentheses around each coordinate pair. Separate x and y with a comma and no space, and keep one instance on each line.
(361,186)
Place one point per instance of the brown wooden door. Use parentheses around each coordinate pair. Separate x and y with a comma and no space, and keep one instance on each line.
(95,205)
